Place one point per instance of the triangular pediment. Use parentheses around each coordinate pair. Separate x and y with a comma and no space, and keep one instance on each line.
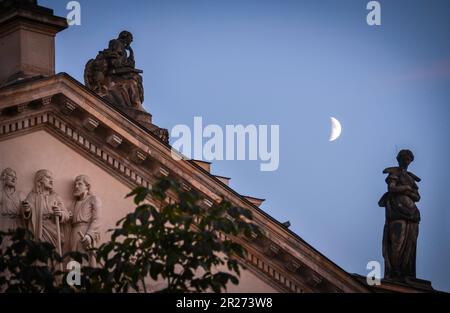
(58,113)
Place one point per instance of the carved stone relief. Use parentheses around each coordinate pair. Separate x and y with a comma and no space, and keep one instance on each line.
(44,213)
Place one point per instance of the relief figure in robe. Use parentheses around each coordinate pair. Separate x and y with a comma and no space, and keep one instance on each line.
(86,215)
(41,208)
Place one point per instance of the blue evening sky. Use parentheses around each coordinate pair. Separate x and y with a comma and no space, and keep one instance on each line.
(295,64)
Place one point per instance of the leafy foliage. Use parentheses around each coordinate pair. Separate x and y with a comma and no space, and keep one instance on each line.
(181,244)
(27,265)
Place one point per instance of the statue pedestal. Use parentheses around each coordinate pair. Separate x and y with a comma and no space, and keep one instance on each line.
(407,284)
(138,115)
(419,283)
(145,119)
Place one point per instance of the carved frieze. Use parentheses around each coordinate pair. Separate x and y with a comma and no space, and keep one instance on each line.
(44,213)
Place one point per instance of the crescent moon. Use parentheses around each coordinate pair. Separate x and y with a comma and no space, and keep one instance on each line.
(336,129)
